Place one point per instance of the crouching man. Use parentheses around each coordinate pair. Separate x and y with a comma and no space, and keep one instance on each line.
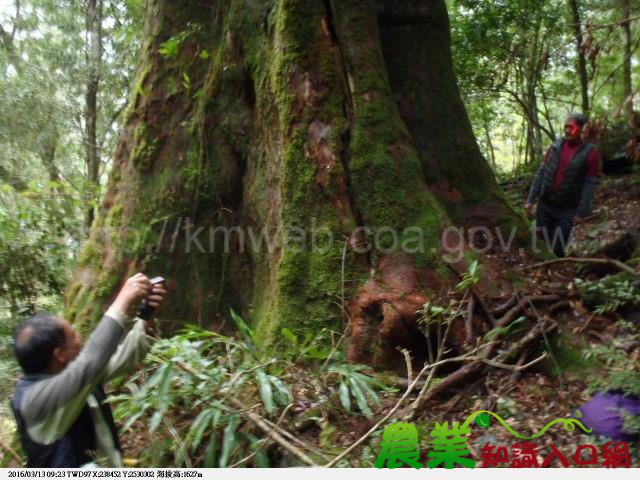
(59,403)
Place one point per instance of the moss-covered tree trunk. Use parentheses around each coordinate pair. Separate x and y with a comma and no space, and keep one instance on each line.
(297,120)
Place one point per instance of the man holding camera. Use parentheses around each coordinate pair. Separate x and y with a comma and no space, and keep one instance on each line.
(59,402)
(565,183)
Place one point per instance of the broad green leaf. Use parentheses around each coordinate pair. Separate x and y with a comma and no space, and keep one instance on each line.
(290,336)
(502,331)
(156,418)
(198,428)
(282,392)
(131,420)
(210,452)
(366,386)
(265,391)
(165,383)
(229,440)
(360,398)
(242,326)
(262,459)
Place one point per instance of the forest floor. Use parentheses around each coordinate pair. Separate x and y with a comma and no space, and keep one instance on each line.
(597,350)
(592,349)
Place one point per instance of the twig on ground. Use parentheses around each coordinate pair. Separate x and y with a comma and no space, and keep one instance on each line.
(502,308)
(477,363)
(515,368)
(407,360)
(593,261)
(586,324)
(511,314)
(559,306)
(469,321)
(265,440)
(178,441)
(515,376)
(259,421)
(11,451)
(296,440)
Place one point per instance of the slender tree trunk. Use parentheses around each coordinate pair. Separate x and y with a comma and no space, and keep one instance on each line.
(581,61)
(491,150)
(313,125)
(94,59)
(49,157)
(626,72)
(8,41)
(533,75)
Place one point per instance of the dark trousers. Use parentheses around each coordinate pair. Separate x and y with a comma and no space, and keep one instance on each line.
(554,226)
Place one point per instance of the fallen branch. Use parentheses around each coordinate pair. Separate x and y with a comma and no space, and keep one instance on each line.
(515,376)
(407,361)
(296,440)
(265,440)
(12,452)
(586,324)
(521,305)
(515,368)
(559,306)
(469,321)
(592,261)
(259,421)
(502,308)
(478,363)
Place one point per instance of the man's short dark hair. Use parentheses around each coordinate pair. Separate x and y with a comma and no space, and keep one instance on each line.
(35,340)
(579,118)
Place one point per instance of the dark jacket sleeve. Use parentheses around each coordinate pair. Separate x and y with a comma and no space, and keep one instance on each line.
(588,187)
(536,185)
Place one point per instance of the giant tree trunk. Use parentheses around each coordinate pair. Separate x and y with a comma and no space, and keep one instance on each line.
(330,116)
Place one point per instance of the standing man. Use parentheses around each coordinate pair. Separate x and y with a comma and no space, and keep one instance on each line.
(565,184)
(59,405)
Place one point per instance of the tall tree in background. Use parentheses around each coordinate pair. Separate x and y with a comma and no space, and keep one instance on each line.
(44,75)
(580,57)
(628,88)
(332,116)
(503,55)
(94,61)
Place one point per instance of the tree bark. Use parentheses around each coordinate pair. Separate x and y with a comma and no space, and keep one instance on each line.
(581,61)
(94,59)
(330,118)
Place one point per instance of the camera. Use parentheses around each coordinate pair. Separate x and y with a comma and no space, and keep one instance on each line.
(146,311)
